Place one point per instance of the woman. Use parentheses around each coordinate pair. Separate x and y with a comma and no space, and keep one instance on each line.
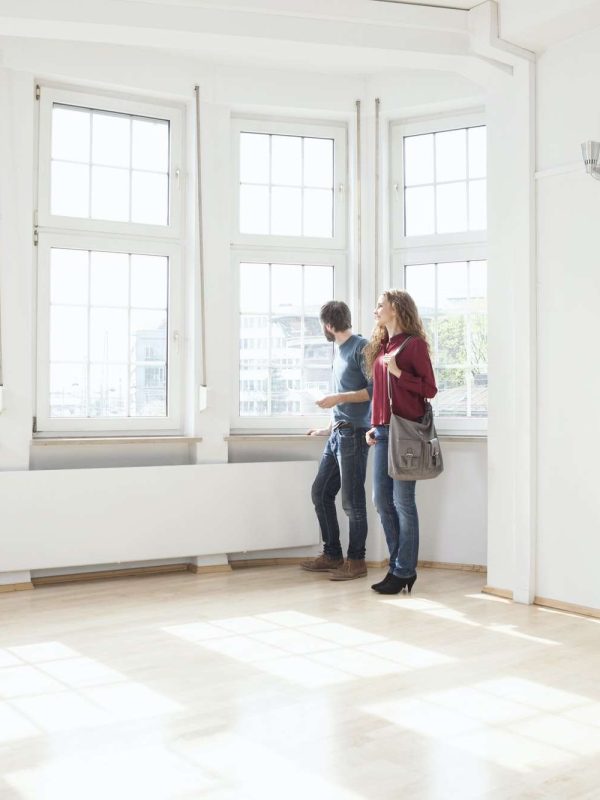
(411,381)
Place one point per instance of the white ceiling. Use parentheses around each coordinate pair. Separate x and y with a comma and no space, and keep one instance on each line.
(344,36)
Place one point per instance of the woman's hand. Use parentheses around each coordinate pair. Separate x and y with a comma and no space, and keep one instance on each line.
(390,361)
(370,437)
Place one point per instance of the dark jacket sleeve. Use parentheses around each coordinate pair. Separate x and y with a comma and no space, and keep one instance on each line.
(419,378)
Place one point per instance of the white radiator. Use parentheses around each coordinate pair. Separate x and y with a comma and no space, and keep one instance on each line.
(61,518)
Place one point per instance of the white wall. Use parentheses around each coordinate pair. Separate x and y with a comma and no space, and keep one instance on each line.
(568,540)
(458,536)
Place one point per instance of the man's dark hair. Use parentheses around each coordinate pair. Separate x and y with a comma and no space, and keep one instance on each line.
(336,314)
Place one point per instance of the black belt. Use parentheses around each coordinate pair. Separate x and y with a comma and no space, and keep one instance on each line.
(342,424)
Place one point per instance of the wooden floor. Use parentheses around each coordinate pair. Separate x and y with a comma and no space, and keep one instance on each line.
(276,683)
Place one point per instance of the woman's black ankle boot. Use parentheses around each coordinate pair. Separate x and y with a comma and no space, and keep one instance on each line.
(377,586)
(394,585)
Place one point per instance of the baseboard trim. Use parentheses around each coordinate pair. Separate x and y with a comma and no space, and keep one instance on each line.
(505,593)
(109,574)
(160,569)
(15,587)
(452,565)
(290,561)
(546,602)
(572,608)
(244,563)
(207,569)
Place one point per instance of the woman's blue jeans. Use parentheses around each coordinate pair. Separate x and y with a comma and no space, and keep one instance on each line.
(397,509)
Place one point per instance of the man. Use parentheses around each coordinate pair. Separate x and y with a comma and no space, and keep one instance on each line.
(344,461)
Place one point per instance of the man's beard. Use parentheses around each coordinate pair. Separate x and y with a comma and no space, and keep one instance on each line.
(328,335)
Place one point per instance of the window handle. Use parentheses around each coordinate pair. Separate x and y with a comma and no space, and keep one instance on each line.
(176,342)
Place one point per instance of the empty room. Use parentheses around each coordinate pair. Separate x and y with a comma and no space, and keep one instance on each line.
(298,379)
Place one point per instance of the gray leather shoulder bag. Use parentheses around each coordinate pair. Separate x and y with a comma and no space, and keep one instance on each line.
(414,452)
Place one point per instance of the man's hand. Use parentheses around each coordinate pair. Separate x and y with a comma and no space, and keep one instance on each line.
(319,432)
(370,437)
(329,401)
(390,362)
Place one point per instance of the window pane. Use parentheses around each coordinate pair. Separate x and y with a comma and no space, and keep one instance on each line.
(68,333)
(286,211)
(418,160)
(149,198)
(70,189)
(318,162)
(477,152)
(68,390)
(127,354)
(452,392)
(318,288)
(254,209)
(110,193)
(70,134)
(108,334)
(451,207)
(285,361)
(420,284)
(150,144)
(254,386)
(254,158)
(109,279)
(451,155)
(68,276)
(111,139)
(419,211)
(149,391)
(452,286)
(117,142)
(286,160)
(149,282)
(452,339)
(254,288)
(318,212)
(148,332)
(286,288)
(479,392)
(477,205)
(109,387)
(478,339)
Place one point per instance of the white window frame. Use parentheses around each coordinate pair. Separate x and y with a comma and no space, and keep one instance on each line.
(314,129)
(127,237)
(433,248)
(108,102)
(278,424)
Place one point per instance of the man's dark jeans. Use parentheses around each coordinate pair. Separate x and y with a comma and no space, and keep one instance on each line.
(343,465)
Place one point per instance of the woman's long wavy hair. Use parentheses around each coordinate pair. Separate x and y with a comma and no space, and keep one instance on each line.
(409,318)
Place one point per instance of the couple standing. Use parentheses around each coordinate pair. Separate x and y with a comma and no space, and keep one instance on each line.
(360,420)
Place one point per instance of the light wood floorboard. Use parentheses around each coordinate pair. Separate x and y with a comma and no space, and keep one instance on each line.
(276,683)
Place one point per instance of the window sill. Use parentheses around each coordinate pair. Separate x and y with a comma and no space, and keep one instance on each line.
(298,437)
(270,437)
(50,441)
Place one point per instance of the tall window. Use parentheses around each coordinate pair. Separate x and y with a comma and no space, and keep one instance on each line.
(108,267)
(289,239)
(439,221)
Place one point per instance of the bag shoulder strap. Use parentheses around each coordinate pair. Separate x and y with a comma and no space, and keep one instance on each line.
(394,354)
